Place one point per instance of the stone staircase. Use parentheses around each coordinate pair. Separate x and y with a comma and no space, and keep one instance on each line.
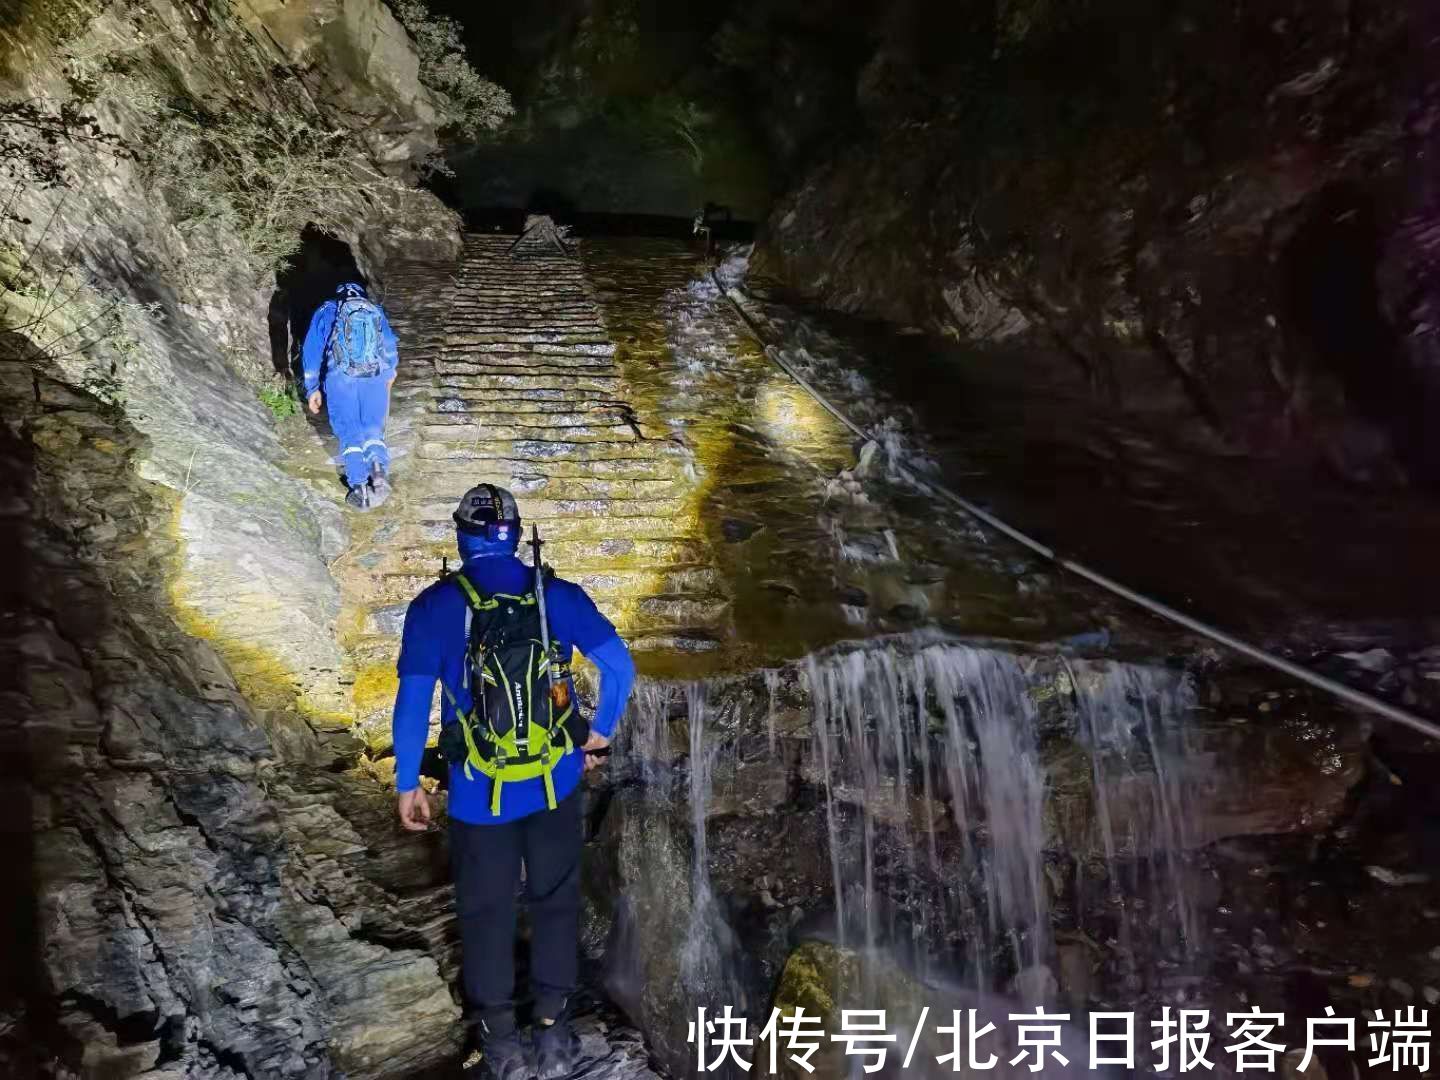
(508,376)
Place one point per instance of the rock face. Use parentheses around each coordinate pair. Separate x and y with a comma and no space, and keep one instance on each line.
(192,914)
(200,906)
(191,352)
(1241,249)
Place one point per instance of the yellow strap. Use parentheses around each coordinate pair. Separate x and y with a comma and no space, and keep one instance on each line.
(495,785)
(549,791)
(474,597)
(528,600)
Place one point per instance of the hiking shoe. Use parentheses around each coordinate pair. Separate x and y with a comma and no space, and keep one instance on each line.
(557,1050)
(503,1057)
(379,487)
(359,497)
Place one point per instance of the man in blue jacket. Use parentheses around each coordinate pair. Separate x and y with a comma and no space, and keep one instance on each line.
(350,357)
(493,829)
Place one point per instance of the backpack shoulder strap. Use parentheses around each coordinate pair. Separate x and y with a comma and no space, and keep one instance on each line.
(472,595)
(334,326)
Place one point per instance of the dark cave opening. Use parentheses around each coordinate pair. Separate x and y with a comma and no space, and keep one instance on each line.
(311,277)
(1329,281)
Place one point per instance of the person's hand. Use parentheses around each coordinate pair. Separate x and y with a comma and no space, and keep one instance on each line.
(596,741)
(315,400)
(415,810)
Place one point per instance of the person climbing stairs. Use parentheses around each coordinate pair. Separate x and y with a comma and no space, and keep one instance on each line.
(351,357)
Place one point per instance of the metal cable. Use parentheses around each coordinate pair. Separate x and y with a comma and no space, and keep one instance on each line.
(1348,694)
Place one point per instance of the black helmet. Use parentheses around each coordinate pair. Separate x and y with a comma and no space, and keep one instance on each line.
(489,511)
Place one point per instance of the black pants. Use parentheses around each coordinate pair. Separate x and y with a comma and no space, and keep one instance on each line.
(485,860)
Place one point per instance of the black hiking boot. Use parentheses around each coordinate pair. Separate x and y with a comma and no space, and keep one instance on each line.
(359,496)
(500,1057)
(557,1050)
(379,485)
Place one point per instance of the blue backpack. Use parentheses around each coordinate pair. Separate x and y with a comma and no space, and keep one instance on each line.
(356,338)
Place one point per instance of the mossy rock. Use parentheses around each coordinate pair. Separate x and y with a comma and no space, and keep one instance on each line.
(811,979)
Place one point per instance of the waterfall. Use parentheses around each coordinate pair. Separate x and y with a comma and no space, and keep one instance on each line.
(976,803)
(876,741)
(707,957)
(1130,723)
(903,727)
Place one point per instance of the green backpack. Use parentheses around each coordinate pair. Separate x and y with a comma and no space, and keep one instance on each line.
(522,721)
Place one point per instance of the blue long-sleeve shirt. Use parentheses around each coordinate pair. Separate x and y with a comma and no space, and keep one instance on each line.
(316,338)
(433,649)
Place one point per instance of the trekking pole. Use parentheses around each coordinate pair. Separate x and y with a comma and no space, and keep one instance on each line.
(535,545)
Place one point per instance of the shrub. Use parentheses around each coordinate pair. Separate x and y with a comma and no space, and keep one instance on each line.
(666,123)
(31,134)
(471,104)
(64,322)
(262,176)
(282,401)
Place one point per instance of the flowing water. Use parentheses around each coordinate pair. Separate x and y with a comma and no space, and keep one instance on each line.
(810,547)
(969,780)
(978,806)
(972,799)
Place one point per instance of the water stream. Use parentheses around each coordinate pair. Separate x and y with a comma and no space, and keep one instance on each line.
(975,808)
(951,775)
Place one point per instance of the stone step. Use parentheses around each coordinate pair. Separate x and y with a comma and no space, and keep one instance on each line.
(491,317)
(461,400)
(488,318)
(528,425)
(520,292)
(658,625)
(525,259)
(462,307)
(452,444)
(543,509)
(686,640)
(498,261)
(490,468)
(559,380)
(400,588)
(484,410)
(511,269)
(569,557)
(558,373)
(521,400)
(520,342)
(445,483)
(513,278)
(493,431)
(683,610)
(595,530)
(519,361)
(521,338)
(381,627)
(516,344)
(452,427)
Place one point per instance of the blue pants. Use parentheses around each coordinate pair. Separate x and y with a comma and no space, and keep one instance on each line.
(357,409)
